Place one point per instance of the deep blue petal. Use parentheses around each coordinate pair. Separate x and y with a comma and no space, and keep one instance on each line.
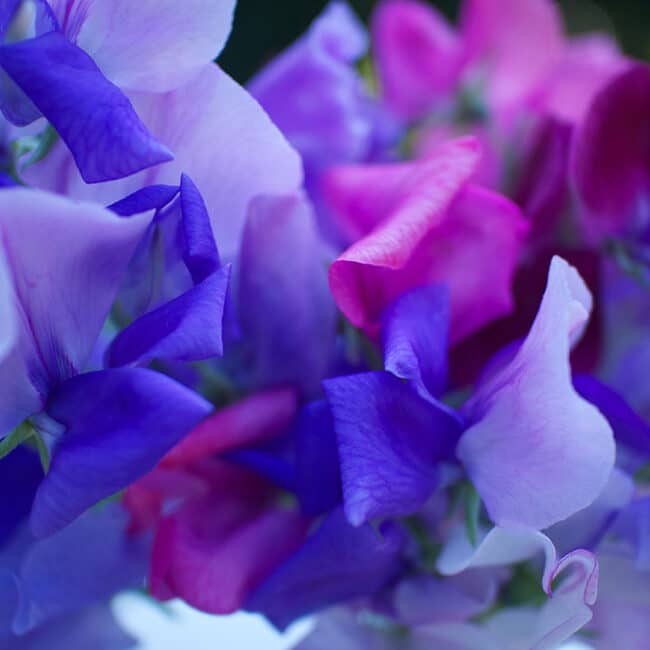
(20,475)
(153,197)
(200,251)
(337,563)
(119,424)
(188,328)
(94,627)
(390,442)
(93,116)
(415,332)
(85,564)
(317,460)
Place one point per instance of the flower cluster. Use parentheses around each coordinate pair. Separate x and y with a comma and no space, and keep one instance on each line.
(365,340)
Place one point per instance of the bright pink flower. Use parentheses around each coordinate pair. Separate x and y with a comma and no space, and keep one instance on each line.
(419,223)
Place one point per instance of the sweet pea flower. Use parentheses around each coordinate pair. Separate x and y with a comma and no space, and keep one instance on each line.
(393,436)
(423,222)
(72,61)
(214,128)
(59,289)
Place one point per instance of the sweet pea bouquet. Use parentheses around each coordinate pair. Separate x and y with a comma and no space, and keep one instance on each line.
(365,341)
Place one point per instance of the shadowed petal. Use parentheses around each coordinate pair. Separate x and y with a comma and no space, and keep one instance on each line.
(337,563)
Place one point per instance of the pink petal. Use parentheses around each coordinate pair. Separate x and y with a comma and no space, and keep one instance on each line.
(215,551)
(587,64)
(514,43)
(258,418)
(418,55)
(431,228)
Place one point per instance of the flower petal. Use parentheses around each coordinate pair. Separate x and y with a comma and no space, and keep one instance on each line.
(258,418)
(314,94)
(519,51)
(94,118)
(415,339)
(537,452)
(418,55)
(336,563)
(610,155)
(293,343)
(214,551)
(153,46)
(390,441)
(429,227)
(104,449)
(66,260)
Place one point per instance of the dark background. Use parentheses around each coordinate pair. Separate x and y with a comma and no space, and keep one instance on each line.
(265,27)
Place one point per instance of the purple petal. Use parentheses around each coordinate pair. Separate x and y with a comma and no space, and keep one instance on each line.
(85,564)
(93,627)
(569,606)
(537,452)
(629,429)
(293,342)
(337,563)
(415,333)
(20,20)
(153,197)
(200,255)
(390,441)
(105,448)
(316,96)
(94,118)
(66,260)
(153,46)
(216,130)
(426,599)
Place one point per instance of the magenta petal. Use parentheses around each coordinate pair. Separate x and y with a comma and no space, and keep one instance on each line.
(611,155)
(537,452)
(587,64)
(214,551)
(418,55)
(431,229)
